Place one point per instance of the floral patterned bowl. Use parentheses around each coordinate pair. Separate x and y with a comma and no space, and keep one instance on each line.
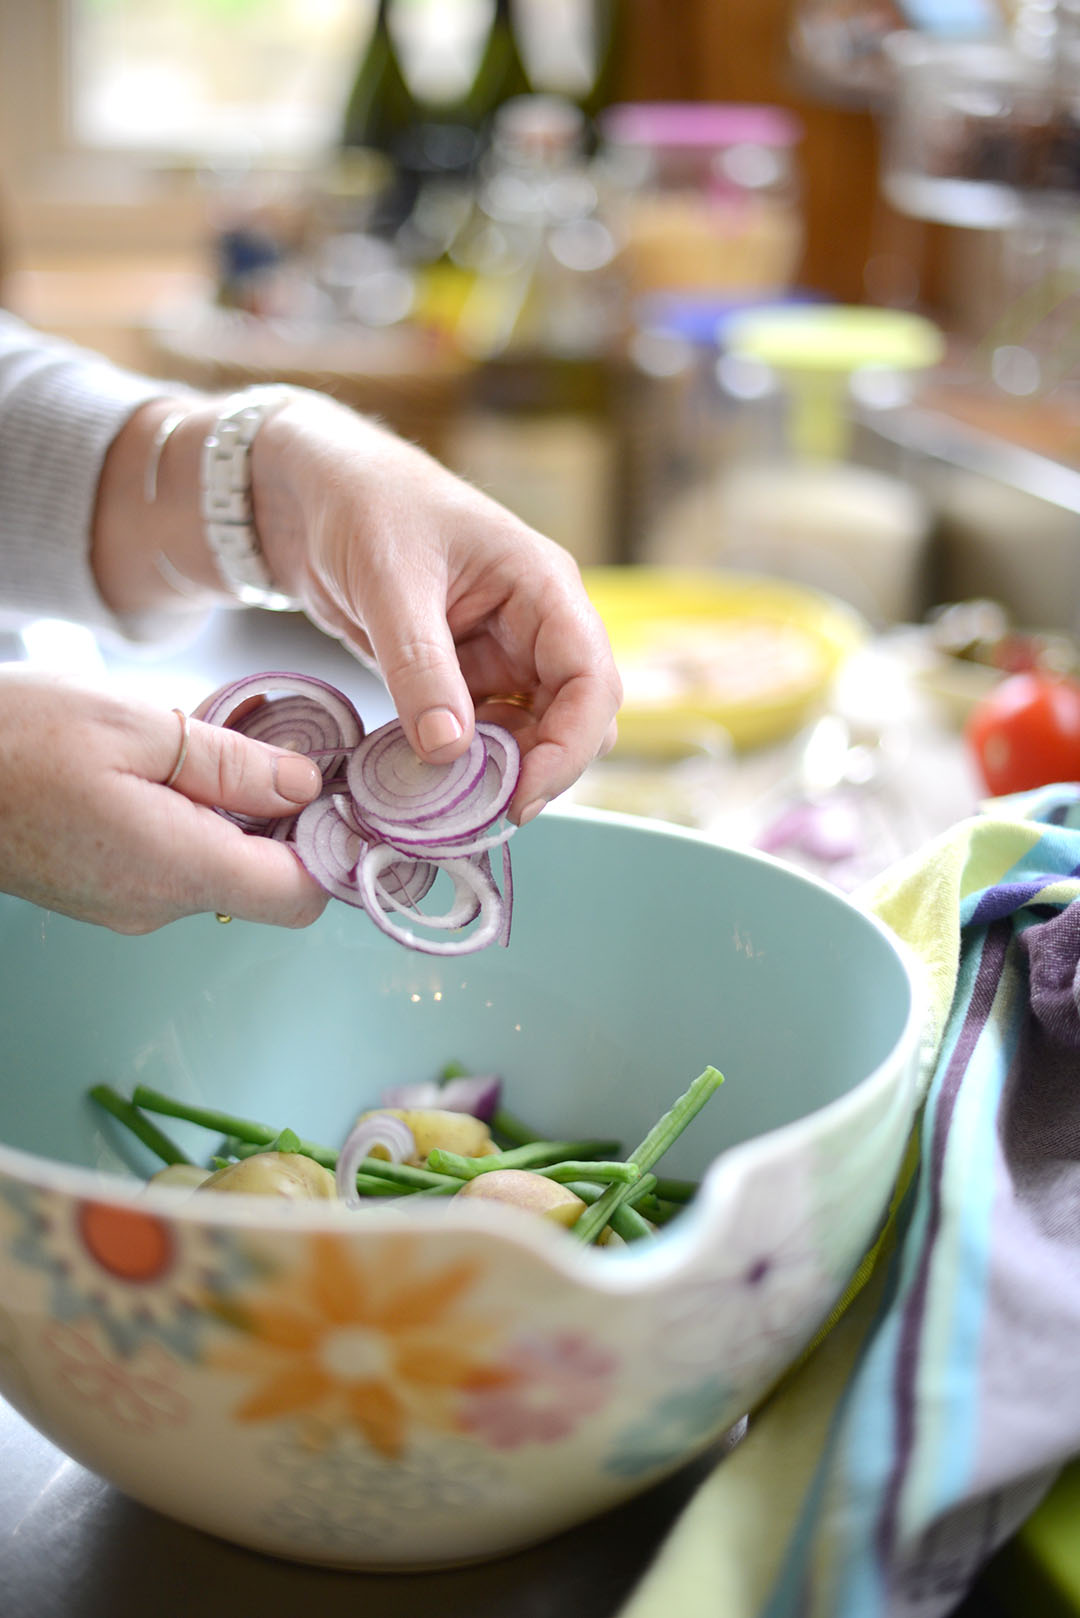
(390,1389)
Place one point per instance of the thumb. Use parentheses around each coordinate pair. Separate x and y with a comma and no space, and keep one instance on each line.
(227,770)
(416,656)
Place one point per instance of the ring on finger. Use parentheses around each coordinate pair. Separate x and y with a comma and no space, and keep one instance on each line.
(513,699)
(185,737)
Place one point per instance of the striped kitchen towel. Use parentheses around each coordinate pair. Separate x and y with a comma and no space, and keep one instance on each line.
(927,1424)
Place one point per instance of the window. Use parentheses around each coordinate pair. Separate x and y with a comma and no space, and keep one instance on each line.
(210,78)
(105,105)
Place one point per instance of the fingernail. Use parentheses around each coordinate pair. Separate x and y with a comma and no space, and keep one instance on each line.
(437,729)
(296,777)
(531,810)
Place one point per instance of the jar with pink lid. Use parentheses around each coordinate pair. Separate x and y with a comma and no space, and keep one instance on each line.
(706,193)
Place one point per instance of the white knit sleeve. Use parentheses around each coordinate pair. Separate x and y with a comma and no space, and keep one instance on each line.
(60,409)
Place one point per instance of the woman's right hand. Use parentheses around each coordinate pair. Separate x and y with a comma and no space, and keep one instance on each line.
(88,829)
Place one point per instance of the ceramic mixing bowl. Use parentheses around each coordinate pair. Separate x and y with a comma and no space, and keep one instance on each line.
(392,1389)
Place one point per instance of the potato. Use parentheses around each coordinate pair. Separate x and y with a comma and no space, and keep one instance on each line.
(274,1174)
(180,1176)
(434,1126)
(523,1189)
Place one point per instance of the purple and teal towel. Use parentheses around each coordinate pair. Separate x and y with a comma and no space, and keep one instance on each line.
(927,1425)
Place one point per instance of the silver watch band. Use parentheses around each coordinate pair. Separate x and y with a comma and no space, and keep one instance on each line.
(226,500)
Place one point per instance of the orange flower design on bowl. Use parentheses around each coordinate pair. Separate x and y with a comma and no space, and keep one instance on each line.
(379,1345)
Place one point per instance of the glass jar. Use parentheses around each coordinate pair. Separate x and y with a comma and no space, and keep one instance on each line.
(706,195)
(787,481)
(981,135)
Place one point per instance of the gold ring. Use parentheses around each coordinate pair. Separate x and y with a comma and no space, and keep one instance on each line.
(222,918)
(185,737)
(512,699)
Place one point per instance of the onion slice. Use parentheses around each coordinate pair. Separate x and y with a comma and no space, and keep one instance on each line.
(373,862)
(303,714)
(477,1095)
(392,1134)
(387,822)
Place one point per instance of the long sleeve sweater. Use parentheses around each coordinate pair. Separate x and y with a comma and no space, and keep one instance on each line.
(60,409)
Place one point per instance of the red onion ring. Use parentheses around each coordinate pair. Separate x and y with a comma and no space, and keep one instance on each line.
(382,1129)
(304,714)
(477,1095)
(392,786)
(387,822)
(329,848)
(381,854)
(465,908)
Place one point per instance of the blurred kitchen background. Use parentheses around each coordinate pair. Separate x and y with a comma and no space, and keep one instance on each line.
(766,290)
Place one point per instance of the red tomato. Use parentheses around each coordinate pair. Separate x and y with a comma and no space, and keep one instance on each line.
(1026,732)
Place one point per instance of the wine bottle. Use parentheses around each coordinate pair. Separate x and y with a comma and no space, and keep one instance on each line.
(382,115)
(606,43)
(381,108)
(500,74)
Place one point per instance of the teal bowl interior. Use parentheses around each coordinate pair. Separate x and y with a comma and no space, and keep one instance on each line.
(640,954)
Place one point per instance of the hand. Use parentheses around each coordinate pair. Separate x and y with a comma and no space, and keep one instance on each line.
(86,829)
(452,598)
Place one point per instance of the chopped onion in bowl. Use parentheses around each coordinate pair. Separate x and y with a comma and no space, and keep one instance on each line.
(377,1131)
(478,1095)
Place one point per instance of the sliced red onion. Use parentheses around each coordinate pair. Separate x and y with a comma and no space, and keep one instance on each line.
(373,862)
(406,882)
(392,786)
(329,848)
(383,1130)
(465,908)
(479,1096)
(454,847)
(508,897)
(387,822)
(304,714)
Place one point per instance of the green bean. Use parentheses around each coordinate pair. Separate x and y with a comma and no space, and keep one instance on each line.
(537,1154)
(677,1190)
(225,1123)
(663,1133)
(577,1169)
(505,1125)
(403,1175)
(629,1221)
(140,1126)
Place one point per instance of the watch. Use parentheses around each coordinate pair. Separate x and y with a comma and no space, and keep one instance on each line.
(226,502)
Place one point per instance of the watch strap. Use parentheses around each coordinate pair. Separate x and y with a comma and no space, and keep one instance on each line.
(226,497)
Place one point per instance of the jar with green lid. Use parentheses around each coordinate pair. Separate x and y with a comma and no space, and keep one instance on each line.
(790,487)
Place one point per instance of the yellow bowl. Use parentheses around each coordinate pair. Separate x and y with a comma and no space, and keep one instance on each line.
(719,651)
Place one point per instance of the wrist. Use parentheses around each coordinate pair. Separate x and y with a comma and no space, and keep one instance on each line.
(227,497)
(139,517)
(296,464)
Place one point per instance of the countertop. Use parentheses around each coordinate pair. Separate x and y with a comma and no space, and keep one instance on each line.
(71,1546)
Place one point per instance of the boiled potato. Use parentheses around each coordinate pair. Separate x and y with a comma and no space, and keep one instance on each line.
(435,1126)
(523,1189)
(274,1174)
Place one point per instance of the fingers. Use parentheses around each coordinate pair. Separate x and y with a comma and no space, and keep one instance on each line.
(248,878)
(577,703)
(227,770)
(560,751)
(179,858)
(415,652)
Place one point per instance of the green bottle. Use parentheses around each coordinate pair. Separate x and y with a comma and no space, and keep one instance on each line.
(607,39)
(381,108)
(499,76)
